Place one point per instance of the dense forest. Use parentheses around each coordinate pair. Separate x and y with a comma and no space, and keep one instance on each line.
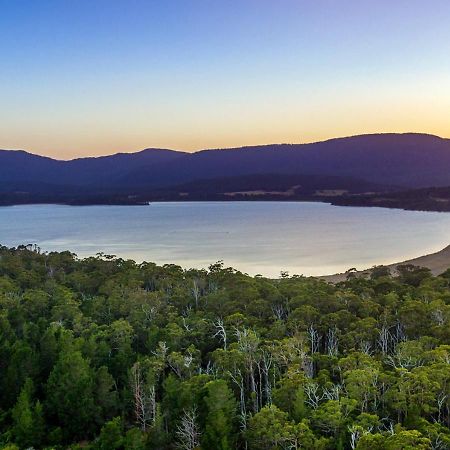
(245,187)
(429,199)
(105,353)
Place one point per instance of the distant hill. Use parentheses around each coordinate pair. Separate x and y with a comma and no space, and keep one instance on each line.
(380,161)
(409,160)
(19,169)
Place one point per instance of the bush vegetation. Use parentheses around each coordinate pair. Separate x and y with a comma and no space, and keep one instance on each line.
(105,353)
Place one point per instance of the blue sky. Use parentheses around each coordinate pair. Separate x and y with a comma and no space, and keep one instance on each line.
(95,77)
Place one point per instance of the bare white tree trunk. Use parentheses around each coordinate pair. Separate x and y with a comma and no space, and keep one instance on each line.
(366,347)
(144,398)
(248,343)
(187,432)
(221,332)
(441,399)
(196,291)
(280,312)
(266,364)
(356,432)
(314,339)
(312,395)
(238,379)
(333,392)
(332,342)
(399,335)
(384,339)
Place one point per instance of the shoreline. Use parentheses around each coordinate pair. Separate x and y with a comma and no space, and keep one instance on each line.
(329,201)
(437,262)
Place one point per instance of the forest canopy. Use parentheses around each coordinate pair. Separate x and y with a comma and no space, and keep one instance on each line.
(106,353)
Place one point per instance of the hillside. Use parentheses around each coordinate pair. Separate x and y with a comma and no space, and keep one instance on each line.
(21,169)
(437,263)
(409,160)
(375,162)
(428,199)
(266,187)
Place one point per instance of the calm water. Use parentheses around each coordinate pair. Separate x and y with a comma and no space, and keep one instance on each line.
(265,237)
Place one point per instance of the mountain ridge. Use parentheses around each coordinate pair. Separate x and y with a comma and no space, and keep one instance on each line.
(333,139)
(388,160)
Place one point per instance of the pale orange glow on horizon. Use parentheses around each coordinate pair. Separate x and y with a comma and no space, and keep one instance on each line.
(193,144)
(319,127)
(228,75)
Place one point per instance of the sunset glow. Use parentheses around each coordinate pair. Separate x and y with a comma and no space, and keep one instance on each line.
(90,78)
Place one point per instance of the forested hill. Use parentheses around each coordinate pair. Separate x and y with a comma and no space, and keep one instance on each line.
(386,160)
(103,353)
(428,199)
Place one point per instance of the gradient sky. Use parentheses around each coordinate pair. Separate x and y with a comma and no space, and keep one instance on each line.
(91,77)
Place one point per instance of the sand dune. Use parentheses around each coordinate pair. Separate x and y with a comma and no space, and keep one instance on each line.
(437,262)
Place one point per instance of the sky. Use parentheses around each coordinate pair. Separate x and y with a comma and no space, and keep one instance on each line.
(93,77)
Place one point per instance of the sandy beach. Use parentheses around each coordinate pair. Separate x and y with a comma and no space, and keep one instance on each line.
(437,262)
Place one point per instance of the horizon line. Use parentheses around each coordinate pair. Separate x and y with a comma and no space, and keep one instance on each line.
(131,152)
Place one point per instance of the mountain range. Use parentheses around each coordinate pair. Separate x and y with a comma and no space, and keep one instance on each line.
(343,166)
